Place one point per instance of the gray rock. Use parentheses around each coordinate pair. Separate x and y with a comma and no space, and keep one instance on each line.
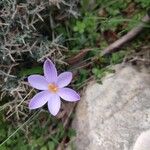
(110,116)
(143,141)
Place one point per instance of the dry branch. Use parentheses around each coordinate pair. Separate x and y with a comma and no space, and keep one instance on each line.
(126,38)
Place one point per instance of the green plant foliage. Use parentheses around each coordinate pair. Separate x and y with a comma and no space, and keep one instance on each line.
(101,72)
(71,133)
(80,27)
(117,57)
(39,137)
(83,31)
(34,70)
(51,145)
(144,3)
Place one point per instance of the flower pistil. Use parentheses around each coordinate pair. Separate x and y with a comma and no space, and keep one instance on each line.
(52,88)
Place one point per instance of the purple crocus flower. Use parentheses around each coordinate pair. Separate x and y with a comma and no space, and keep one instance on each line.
(54,88)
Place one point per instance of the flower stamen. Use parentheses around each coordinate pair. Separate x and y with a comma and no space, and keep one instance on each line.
(52,88)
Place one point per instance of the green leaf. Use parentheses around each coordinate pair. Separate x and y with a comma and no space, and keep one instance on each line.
(117,57)
(26,72)
(71,133)
(43,148)
(51,145)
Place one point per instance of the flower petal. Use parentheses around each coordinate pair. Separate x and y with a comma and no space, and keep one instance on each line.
(54,104)
(64,79)
(50,71)
(39,82)
(68,94)
(39,99)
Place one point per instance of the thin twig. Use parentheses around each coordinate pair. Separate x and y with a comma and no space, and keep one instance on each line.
(140,59)
(25,98)
(8,75)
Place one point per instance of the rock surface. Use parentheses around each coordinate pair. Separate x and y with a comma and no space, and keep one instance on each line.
(143,141)
(112,115)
